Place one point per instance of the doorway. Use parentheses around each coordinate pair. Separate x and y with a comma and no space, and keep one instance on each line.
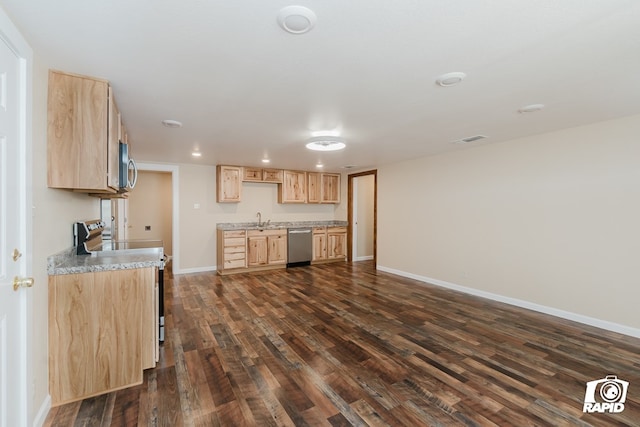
(173,247)
(150,209)
(362,216)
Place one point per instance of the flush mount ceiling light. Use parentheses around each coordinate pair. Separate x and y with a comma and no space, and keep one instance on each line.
(296,19)
(172,123)
(450,79)
(326,143)
(531,108)
(469,139)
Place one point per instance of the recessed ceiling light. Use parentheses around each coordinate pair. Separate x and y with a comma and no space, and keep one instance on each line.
(196,154)
(469,139)
(319,165)
(450,79)
(532,108)
(296,19)
(326,143)
(266,160)
(172,123)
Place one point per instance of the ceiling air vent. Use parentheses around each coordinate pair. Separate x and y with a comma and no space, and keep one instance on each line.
(469,139)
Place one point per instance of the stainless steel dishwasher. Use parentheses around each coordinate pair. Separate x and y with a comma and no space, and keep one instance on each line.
(299,246)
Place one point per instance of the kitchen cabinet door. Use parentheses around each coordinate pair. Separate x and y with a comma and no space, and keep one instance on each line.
(229,184)
(277,249)
(336,242)
(272,175)
(252,174)
(293,187)
(319,244)
(330,188)
(101,332)
(313,187)
(78,134)
(258,249)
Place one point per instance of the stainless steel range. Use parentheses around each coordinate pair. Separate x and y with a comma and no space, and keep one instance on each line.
(88,240)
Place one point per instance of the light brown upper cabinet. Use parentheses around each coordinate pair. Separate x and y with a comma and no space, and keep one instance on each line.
(229,184)
(330,188)
(272,175)
(82,134)
(323,187)
(293,188)
(253,174)
(313,187)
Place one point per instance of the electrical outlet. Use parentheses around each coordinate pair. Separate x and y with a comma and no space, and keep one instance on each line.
(147,228)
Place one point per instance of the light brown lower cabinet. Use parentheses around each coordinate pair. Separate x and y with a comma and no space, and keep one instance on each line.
(329,244)
(267,247)
(319,243)
(102,331)
(336,242)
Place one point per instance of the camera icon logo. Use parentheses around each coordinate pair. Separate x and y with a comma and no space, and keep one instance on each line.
(606,395)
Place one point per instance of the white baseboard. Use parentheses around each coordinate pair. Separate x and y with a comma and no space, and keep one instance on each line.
(598,323)
(195,270)
(363,258)
(41,416)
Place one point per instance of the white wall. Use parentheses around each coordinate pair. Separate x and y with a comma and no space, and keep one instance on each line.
(551,219)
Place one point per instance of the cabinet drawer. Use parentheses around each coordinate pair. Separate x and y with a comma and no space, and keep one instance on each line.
(319,230)
(235,241)
(234,256)
(234,233)
(235,263)
(234,249)
(337,229)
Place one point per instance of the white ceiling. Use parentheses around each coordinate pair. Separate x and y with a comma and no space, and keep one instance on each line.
(245,89)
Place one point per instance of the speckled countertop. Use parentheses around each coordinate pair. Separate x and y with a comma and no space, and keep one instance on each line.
(67,262)
(276,225)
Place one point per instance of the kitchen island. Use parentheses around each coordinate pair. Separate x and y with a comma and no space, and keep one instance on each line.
(103,321)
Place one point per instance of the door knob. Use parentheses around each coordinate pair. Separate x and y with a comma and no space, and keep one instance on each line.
(25,282)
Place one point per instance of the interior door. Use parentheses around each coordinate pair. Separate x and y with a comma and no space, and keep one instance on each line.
(14,254)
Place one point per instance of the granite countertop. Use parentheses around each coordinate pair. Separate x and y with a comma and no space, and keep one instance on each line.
(67,262)
(279,225)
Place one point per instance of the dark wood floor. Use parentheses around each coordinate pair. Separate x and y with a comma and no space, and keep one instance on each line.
(343,344)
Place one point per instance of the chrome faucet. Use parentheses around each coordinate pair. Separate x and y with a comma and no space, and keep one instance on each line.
(259,215)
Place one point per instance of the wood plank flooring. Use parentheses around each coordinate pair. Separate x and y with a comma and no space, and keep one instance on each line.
(344,344)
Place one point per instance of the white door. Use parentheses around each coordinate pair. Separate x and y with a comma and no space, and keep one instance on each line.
(13,236)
